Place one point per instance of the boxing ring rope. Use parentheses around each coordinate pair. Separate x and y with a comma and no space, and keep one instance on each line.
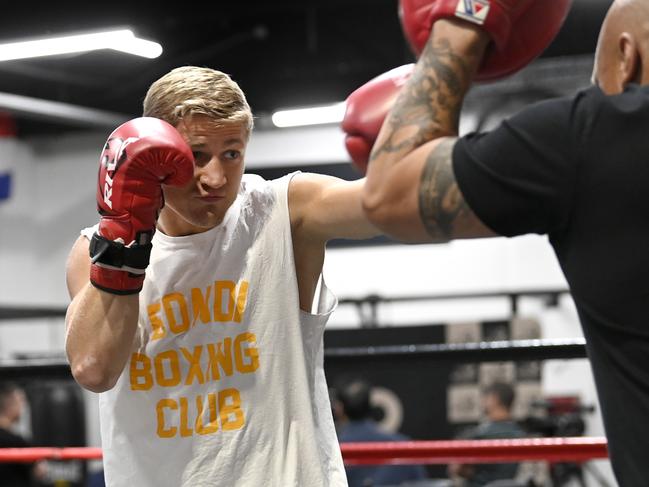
(475,451)
(578,450)
(539,349)
(29,455)
(497,351)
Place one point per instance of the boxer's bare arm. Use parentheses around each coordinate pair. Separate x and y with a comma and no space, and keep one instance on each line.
(411,192)
(100,327)
(323,208)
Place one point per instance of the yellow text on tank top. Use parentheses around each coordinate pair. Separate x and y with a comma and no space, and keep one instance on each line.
(218,410)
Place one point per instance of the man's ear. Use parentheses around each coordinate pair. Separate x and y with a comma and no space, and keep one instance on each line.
(630,64)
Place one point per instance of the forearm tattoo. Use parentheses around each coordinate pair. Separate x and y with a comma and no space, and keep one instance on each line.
(429,104)
(427,108)
(440,200)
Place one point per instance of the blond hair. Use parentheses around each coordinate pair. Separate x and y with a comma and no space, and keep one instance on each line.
(192,90)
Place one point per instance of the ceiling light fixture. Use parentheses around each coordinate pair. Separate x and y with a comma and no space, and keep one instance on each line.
(309,116)
(120,40)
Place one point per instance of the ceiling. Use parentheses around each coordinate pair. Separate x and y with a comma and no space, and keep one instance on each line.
(283,53)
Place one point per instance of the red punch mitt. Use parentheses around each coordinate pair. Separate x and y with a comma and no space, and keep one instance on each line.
(521,29)
(366,109)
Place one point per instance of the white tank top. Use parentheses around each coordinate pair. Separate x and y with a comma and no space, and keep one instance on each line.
(225,385)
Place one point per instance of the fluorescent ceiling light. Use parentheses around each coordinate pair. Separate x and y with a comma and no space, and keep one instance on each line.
(309,116)
(120,40)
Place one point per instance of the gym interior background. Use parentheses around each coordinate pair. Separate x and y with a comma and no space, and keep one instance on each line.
(57,112)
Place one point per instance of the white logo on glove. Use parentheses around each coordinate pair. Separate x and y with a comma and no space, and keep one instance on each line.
(111,160)
(475,11)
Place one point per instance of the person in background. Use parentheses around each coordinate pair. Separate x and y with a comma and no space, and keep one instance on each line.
(12,405)
(355,424)
(497,402)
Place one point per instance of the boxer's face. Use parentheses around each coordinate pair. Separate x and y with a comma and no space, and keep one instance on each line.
(218,155)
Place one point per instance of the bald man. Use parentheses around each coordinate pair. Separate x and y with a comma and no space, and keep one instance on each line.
(576,169)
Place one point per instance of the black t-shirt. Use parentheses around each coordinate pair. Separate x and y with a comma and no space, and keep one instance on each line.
(577,169)
(14,474)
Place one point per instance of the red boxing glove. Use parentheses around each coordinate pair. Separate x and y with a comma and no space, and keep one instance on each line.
(366,108)
(139,156)
(520,29)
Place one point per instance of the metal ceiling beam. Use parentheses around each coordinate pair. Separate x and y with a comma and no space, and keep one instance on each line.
(62,113)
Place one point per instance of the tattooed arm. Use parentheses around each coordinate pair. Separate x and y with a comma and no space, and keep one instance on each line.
(411,192)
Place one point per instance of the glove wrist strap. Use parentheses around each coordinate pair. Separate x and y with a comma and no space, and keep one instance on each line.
(116,268)
(117,256)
